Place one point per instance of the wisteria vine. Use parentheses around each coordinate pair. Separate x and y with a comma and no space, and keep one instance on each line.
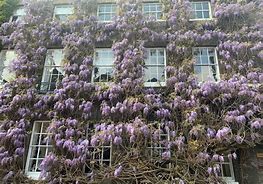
(205,121)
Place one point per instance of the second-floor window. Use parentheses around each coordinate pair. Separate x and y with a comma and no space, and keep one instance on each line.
(106,12)
(201,10)
(152,10)
(38,149)
(206,64)
(6,57)
(155,67)
(62,12)
(53,70)
(103,65)
(18,14)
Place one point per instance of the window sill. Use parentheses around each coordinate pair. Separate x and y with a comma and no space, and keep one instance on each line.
(33,175)
(206,19)
(105,21)
(229,180)
(154,84)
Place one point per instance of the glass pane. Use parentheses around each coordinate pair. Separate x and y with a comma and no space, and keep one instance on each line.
(34,152)
(43,139)
(38,165)
(198,6)
(197,71)
(212,59)
(206,14)
(146,8)
(161,77)
(159,7)
(159,16)
(107,8)
(196,52)
(104,57)
(62,17)
(35,140)
(32,165)
(192,5)
(197,60)
(205,6)
(153,8)
(102,74)
(203,51)
(20,12)
(204,60)
(226,170)
(199,15)
(42,152)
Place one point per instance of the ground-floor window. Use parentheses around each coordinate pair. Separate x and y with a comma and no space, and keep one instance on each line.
(38,149)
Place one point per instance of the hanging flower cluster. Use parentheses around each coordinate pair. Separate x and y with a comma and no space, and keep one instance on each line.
(196,125)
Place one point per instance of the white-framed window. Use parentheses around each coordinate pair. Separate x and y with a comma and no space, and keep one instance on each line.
(106,12)
(206,64)
(53,70)
(38,149)
(155,74)
(103,65)
(158,145)
(18,14)
(6,57)
(201,10)
(227,170)
(152,9)
(62,12)
(99,156)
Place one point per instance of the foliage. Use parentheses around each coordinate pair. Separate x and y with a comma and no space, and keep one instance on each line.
(6,9)
(206,121)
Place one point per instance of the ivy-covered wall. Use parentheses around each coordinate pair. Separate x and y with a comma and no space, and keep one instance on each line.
(207,121)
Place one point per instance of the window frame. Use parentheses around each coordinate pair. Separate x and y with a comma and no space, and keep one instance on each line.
(99,150)
(156,84)
(3,66)
(15,14)
(216,62)
(229,163)
(98,13)
(36,174)
(209,8)
(62,6)
(106,66)
(155,12)
(157,147)
(50,66)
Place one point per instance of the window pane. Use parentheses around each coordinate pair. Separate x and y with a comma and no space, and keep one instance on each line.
(199,15)
(32,165)
(226,170)
(63,9)
(102,74)
(42,152)
(198,6)
(198,72)
(205,6)
(206,14)
(20,11)
(39,146)
(204,60)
